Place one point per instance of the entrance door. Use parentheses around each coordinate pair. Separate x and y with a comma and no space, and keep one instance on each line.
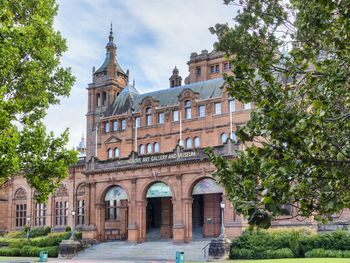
(206,212)
(159,212)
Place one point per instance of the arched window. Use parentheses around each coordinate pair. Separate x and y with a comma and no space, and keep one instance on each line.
(188,109)
(142,149)
(61,206)
(223,138)
(21,207)
(98,100)
(197,142)
(110,154)
(116,153)
(114,199)
(104,99)
(181,142)
(156,147)
(233,137)
(149,148)
(148,116)
(188,143)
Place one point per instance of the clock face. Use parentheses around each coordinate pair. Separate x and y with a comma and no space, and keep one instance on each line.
(121,81)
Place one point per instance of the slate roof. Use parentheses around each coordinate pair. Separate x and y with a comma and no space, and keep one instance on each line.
(104,66)
(131,98)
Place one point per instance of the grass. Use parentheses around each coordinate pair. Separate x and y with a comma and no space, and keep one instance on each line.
(293,260)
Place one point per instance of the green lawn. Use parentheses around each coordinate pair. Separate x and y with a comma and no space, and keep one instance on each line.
(294,260)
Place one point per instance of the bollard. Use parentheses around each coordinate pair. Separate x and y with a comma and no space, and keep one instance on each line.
(180,257)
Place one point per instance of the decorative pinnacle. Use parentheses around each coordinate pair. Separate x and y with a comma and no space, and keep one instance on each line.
(111,32)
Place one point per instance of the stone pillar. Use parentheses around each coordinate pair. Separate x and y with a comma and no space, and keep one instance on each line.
(167,218)
(187,215)
(100,220)
(132,214)
(141,220)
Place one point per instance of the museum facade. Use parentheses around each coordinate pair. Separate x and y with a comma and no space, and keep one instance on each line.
(142,173)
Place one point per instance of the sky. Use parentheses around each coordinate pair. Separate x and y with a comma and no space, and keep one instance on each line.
(152,37)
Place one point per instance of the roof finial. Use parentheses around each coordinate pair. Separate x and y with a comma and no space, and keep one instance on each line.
(133,82)
(111,32)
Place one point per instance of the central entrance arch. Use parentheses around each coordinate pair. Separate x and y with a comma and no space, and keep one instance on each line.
(159,212)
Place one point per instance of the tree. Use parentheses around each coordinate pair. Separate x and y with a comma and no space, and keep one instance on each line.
(31,79)
(298,137)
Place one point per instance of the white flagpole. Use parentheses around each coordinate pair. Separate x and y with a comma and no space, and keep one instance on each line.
(96,141)
(136,136)
(180,130)
(231,125)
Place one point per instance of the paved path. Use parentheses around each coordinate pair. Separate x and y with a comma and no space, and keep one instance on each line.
(150,252)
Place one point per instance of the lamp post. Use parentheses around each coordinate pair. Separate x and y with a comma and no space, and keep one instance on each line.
(28,226)
(222,205)
(73,225)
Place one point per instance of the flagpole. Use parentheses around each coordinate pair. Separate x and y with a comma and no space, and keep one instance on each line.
(231,125)
(96,141)
(136,136)
(180,130)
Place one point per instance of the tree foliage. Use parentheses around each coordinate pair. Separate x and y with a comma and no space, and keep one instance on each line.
(31,79)
(298,138)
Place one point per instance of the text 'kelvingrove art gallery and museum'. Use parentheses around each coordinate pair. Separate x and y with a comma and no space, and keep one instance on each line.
(142,173)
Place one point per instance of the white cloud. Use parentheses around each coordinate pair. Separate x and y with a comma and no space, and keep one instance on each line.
(152,37)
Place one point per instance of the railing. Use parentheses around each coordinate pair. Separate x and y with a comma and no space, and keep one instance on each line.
(205,250)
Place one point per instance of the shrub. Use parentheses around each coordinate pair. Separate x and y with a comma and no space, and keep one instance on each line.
(37,232)
(294,243)
(326,253)
(17,242)
(10,251)
(242,254)
(78,235)
(279,253)
(68,229)
(31,251)
(47,230)
(15,234)
(346,254)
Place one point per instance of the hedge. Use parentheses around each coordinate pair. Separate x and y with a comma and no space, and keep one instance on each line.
(280,244)
(30,251)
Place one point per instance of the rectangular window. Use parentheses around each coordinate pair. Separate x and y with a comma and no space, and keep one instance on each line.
(212,69)
(21,215)
(161,117)
(113,209)
(217,68)
(40,214)
(149,119)
(81,212)
(188,113)
(201,110)
(218,108)
(225,66)
(175,115)
(198,70)
(123,125)
(62,213)
(115,125)
(107,127)
(232,106)
(246,106)
(230,65)
(137,122)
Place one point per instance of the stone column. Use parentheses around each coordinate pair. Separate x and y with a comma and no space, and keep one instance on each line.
(141,220)
(132,214)
(187,216)
(100,220)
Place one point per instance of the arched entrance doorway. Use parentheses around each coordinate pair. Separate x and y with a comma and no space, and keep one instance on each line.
(159,212)
(116,214)
(206,217)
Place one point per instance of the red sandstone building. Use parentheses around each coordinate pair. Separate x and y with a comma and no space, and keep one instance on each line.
(144,175)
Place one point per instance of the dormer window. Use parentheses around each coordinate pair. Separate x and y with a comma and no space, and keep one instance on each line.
(148,116)
(161,117)
(137,122)
(115,125)
(188,109)
(175,115)
(107,127)
(123,125)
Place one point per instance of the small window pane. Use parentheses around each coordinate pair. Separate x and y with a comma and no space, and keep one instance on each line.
(148,110)
(116,152)
(226,66)
(233,137)
(107,127)
(223,138)
(161,117)
(110,153)
(201,111)
(115,125)
(149,148)
(212,69)
(217,68)
(181,143)
(138,122)
(188,103)
(218,108)
(247,106)
(196,142)
(123,125)
(232,106)
(142,149)
(188,143)
(175,115)
(188,113)
(149,119)
(156,147)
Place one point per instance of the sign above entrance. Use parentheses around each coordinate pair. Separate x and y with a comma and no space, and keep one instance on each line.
(159,190)
(206,186)
(116,193)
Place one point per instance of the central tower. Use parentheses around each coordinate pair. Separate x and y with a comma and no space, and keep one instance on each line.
(107,82)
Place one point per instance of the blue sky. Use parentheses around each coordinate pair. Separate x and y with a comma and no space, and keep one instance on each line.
(152,37)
